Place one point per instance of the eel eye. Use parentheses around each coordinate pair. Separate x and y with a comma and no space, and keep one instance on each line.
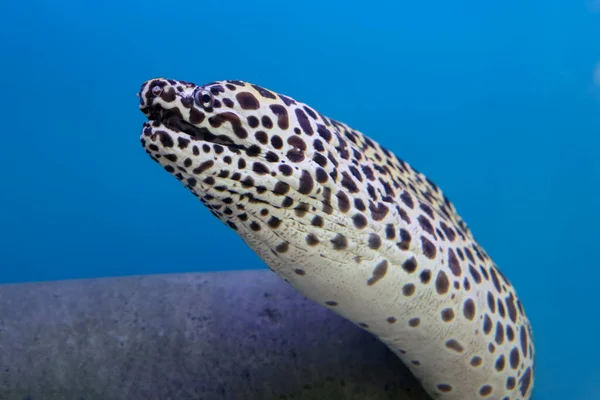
(156,90)
(204,98)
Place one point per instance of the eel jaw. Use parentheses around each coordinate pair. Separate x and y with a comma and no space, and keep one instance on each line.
(173,121)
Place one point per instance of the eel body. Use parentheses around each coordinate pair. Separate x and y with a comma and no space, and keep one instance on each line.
(349,225)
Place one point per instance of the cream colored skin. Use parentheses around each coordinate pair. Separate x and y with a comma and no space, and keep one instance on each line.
(445,342)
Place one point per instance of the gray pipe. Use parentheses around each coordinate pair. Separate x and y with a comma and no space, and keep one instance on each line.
(228,335)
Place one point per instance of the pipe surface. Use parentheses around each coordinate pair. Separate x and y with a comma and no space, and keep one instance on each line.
(222,335)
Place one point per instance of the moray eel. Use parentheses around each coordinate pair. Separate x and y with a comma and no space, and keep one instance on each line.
(349,225)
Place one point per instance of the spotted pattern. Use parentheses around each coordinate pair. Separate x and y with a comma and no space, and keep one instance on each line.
(351,226)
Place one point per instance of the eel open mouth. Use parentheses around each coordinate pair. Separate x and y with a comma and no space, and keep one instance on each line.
(173,121)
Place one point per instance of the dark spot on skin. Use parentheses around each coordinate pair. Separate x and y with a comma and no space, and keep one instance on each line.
(475,274)
(410,265)
(501,309)
(378,273)
(343,201)
(297,142)
(312,240)
(414,322)
(322,176)
(407,199)
(491,301)
(487,324)
(429,249)
(260,168)
(304,122)
(467,284)
(514,358)
(408,289)
(300,272)
(442,284)
(443,387)
(282,247)
(348,183)
(500,363)
(426,225)
(306,183)
(368,172)
(469,309)
(310,112)
(452,344)
(295,155)
(320,159)
(264,92)
(476,361)
(339,242)
(324,133)
(274,222)
(499,333)
(219,119)
(469,255)
(524,341)
(168,94)
(253,151)
(282,116)
(484,273)
(391,320)
(510,306)
(359,220)
(286,100)
(266,121)
(425,276)
(525,381)
(247,101)
(405,239)
(301,209)
(390,232)
(271,157)
(286,170)
(453,263)
(203,167)
(495,280)
(485,390)
(277,142)
(510,383)
(196,116)
(317,221)
(331,303)
(261,136)
(182,143)
(281,188)
(510,333)
(449,232)
(447,314)
(378,212)
(355,173)
(426,209)
(165,139)
(374,241)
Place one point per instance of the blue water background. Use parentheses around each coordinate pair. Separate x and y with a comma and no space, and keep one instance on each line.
(497,103)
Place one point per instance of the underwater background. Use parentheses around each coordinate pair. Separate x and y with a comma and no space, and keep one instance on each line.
(498,103)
